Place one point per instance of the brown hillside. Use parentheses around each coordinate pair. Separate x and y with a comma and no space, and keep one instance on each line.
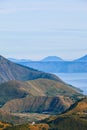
(67,121)
(81,107)
(37,96)
(43,87)
(11,90)
(74,119)
(39,104)
(7,117)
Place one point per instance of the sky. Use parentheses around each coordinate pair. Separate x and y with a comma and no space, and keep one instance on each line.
(34,29)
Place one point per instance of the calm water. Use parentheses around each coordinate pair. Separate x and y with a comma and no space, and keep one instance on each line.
(78,80)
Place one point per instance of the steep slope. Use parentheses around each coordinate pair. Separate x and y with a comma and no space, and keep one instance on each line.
(12,71)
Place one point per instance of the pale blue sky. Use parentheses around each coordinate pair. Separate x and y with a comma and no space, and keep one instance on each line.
(35,29)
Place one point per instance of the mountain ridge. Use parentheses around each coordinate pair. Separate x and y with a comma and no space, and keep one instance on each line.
(50,58)
(75,66)
(81,59)
(13,71)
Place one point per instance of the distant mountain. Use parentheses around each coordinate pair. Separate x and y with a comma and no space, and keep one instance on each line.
(55,64)
(58,67)
(82,59)
(52,58)
(49,58)
(12,71)
(19,60)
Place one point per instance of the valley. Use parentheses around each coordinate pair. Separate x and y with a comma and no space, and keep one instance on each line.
(43,64)
(28,95)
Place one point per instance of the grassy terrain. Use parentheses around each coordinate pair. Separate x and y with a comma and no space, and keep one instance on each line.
(26,90)
(41,87)
(4,125)
(31,117)
(29,127)
(41,95)
(74,119)
(51,88)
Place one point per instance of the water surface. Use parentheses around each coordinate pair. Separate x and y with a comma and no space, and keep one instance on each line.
(78,80)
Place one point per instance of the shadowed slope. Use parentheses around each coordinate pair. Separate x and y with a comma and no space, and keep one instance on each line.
(12,71)
(11,90)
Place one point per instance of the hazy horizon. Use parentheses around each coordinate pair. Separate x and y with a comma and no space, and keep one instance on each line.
(41,58)
(36,29)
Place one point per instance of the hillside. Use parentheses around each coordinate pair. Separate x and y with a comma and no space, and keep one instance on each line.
(12,71)
(46,87)
(40,104)
(6,117)
(11,90)
(26,90)
(74,119)
(40,95)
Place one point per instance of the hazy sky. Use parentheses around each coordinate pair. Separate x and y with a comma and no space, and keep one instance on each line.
(34,28)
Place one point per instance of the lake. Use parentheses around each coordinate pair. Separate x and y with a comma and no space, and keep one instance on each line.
(78,80)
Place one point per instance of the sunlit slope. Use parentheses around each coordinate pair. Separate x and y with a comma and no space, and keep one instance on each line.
(74,119)
(41,95)
(51,88)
